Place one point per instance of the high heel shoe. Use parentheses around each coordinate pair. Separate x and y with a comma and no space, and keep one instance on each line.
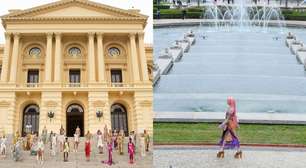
(220,154)
(238,155)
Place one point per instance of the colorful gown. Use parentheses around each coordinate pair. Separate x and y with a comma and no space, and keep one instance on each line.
(110,154)
(229,126)
(131,151)
(87,149)
(120,143)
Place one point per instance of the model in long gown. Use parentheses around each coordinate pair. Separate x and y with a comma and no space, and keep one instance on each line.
(131,151)
(3,146)
(110,154)
(229,138)
(87,149)
(100,143)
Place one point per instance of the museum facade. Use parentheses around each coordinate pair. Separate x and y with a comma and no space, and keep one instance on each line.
(75,63)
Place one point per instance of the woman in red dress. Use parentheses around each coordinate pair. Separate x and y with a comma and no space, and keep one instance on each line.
(87,150)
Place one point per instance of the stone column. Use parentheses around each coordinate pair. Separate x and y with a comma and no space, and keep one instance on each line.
(58,58)
(6,55)
(134,58)
(13,74)
(143,57)
(101,63)
(48,59)
(98,101)
(143,111)
(51,101)
(91,58)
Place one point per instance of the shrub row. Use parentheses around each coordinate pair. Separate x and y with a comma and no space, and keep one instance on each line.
(197,13)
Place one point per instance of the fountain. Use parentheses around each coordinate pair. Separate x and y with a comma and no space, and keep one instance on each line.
(242,15)
(242,53)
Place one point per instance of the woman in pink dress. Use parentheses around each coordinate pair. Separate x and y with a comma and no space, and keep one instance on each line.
(131,150)
(229,138)
(110,153)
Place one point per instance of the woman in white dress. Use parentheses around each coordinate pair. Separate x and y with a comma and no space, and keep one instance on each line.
(3,146)
(53,144)
(100,143)
(142,146)
(61,138)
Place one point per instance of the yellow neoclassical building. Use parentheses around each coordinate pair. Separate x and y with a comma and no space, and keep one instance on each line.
(75,63)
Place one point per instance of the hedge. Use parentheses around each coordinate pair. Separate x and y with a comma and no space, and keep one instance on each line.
(162,6)
(195,13)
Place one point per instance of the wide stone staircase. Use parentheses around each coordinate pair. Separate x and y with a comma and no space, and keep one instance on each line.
(77,159)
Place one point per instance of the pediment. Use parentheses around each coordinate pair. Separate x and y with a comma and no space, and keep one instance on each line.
(74,9)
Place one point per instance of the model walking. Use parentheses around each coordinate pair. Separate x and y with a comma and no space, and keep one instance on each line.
(229,138)
(131,151)
(3,145)
(77,139)
(110,153)
(100,142)
(66,149)
(40,151)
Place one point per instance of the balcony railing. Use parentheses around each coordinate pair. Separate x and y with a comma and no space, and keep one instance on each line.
(116,85)
(33,85)
(74,85)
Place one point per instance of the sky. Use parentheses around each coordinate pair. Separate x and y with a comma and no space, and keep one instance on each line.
(144,5)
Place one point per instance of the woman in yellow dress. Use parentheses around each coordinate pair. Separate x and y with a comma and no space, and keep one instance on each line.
(16,137)
(120,142)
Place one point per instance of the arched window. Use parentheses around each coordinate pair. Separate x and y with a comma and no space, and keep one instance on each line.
(30,119)
(74,119)
(119,118)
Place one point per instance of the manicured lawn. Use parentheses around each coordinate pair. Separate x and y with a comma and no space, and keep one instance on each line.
(210,133)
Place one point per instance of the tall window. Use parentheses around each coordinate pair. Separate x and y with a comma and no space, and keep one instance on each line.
(33,76)
(74,77)
(116,75)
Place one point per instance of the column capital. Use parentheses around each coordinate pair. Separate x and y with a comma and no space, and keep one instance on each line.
(7,34)
(58,34)
(91,34)
(16,35)
(132,35)
(140,34)
(49,34)
(100,34)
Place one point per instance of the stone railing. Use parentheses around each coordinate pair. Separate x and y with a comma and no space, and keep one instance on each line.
(32,85)
(74,85)
(116,85)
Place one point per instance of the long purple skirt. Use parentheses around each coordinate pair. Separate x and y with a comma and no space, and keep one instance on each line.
(234,143)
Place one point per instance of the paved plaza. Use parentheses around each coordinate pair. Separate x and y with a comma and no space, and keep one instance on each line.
(205,157)
(77,160)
